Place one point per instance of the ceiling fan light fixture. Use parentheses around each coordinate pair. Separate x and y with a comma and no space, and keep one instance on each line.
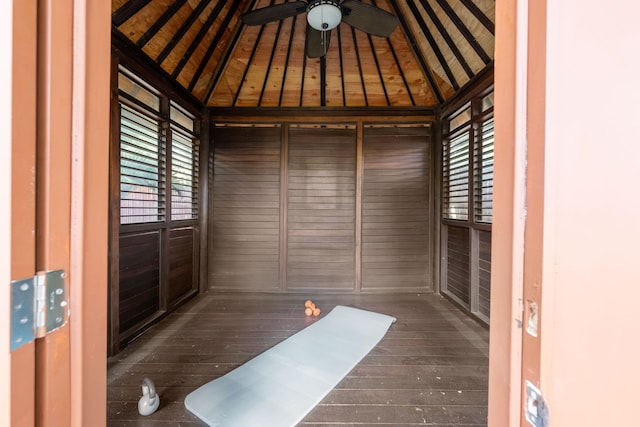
(324,15)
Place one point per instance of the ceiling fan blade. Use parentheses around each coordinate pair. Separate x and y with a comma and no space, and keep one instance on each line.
(368,18)
(317,42)
(274,13)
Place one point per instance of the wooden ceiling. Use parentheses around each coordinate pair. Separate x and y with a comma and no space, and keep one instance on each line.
(439,46)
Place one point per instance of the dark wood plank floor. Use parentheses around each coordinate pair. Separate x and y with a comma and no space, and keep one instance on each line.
(430,369)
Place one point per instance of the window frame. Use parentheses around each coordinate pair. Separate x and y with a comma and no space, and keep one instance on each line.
(167,126)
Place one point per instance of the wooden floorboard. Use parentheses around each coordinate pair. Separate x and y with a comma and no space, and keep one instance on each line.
(430,369)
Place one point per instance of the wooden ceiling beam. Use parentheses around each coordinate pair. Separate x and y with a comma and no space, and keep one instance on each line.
(344,95)
(399,66)
(215,76)
(447,38)
(357,53)
(464,30)
(127,10)
(426,70)
(273,52)
(214,43)
(206,27)
(182,31)
(375,59)
(286,61)
(157,26)
(323,115)
(433,44)
(480,16)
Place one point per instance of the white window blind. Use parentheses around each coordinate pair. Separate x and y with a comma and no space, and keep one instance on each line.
(456,176)
(184,176)
(483,161)
(142,168)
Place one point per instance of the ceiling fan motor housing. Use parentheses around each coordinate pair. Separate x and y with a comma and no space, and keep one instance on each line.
(324,15)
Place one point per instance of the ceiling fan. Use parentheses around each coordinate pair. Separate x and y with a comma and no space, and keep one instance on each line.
(323,16)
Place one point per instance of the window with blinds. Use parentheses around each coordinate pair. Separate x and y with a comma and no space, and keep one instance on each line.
(142,168)
(455,176)
(483,165)
(150,130)
(184,176)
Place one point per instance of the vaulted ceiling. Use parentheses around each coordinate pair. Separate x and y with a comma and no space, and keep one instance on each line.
(204,46)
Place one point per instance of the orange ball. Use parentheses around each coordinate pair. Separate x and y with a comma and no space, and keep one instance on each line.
(308,303)
(316,312)
(308,312)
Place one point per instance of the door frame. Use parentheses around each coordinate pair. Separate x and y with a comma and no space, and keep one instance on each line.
(58,84)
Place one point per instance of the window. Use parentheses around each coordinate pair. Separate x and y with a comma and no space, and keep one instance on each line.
(147,136)
(456,177)
(142,167)
(483,165)
(471,134)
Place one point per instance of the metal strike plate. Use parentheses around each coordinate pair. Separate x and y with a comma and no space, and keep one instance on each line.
(38,306)
(536,409)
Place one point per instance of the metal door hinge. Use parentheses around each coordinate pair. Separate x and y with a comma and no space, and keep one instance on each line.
(39,305)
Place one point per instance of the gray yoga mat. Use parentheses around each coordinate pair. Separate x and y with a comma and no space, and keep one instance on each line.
(280,386)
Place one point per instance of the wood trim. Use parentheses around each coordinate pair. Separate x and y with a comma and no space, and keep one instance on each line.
(89,211)
(203,203)
(53,178)
(508,215)
(477,86)
(323,114)
(436,201)
(18,35)
(114,213)
(284,194)
(358,219)
(534,255)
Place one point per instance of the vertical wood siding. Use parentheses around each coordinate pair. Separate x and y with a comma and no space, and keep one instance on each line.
(321,208)
(246,209)
(181,262)
(139,278)
(458,280)
(396,235)
(484,274)
(286,220)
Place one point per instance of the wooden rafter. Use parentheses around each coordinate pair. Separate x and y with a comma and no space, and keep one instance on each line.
(447,38)
(206,27)
(157,26)
(182,31)
(464,30)
(480,16)
(214,44)
(129,9)
(434,45)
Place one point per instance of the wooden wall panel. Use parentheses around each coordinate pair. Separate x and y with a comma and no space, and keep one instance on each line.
(458,268)
(321,208)
(246,209)
(396,211)
(139,293)
(484,272)
(181,263)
